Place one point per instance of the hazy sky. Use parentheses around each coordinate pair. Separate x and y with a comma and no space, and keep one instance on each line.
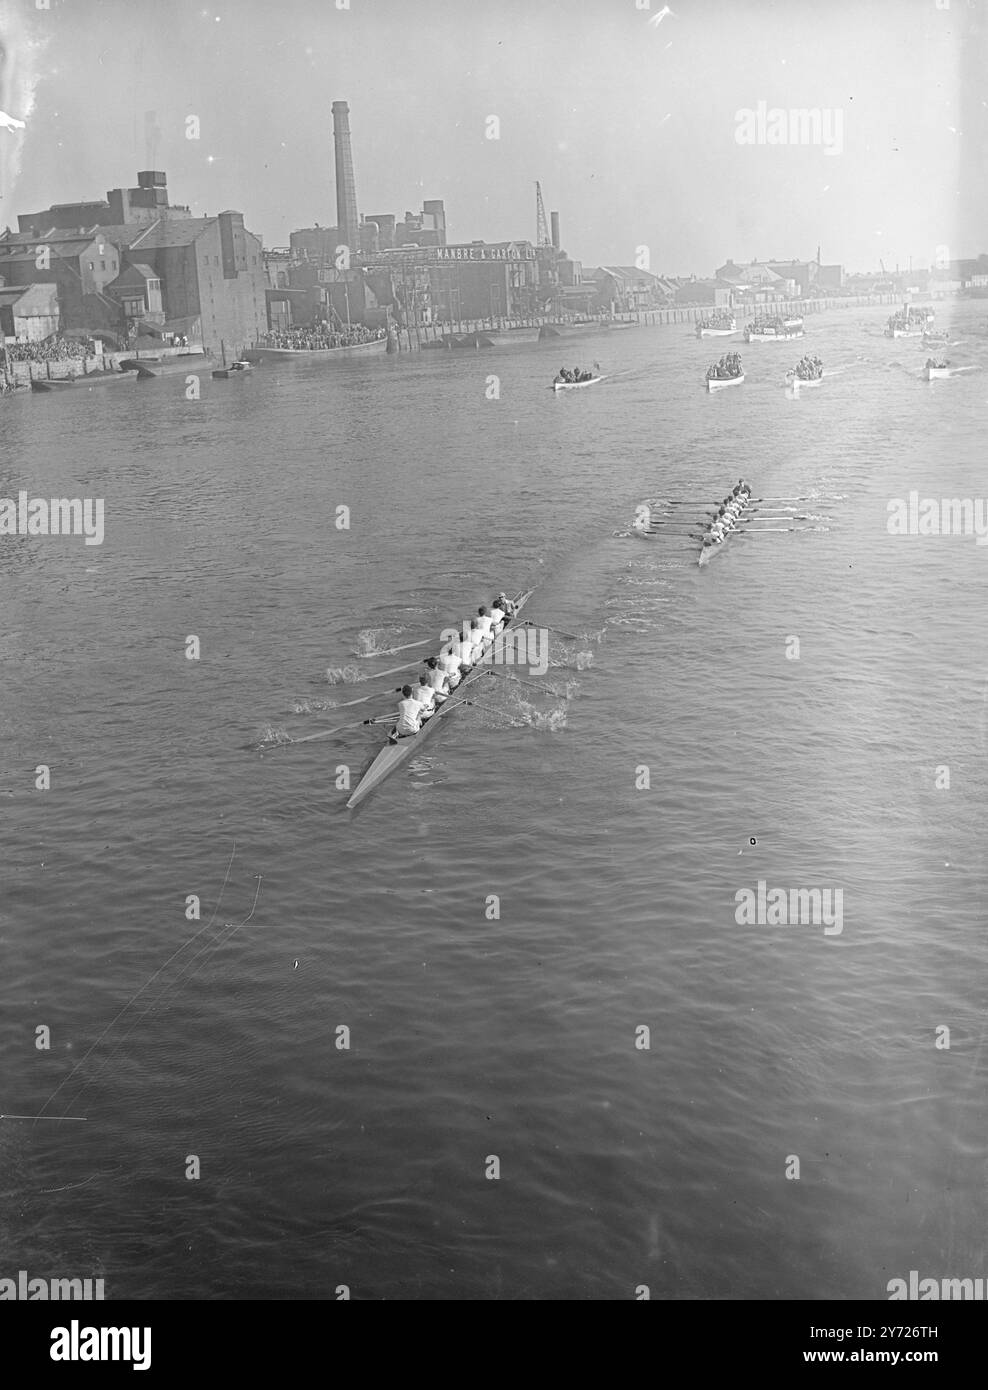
(629,123)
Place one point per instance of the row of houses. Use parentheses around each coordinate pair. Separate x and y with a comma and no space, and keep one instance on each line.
(630,289)
(158,274)
(135,268)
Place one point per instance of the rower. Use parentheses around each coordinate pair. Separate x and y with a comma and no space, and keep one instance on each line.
(477,639)
(463,651)
(409,719)
(448,663)
(485,620)
(497,617)
(426,697)
(506,605)
(436,678)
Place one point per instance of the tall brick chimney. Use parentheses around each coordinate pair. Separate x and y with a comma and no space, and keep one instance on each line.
(346,190)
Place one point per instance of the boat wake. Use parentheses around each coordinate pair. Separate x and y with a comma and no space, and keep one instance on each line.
(303,705)
(373,641)
(271,737)
(344,675)
(545,721)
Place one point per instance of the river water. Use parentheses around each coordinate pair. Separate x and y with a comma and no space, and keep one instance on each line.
(350,1041)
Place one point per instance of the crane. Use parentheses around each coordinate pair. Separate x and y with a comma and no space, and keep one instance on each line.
(542,237)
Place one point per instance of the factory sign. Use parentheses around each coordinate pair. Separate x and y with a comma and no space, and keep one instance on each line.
(499,251)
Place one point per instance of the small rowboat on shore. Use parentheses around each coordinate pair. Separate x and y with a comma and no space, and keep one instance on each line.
(575,385)
(392,755)
(716,383)
(234,369)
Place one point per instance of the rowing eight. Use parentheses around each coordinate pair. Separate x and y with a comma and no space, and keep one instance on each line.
(392,755)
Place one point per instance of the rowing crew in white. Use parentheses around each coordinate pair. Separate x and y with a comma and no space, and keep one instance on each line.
(445,671)
(727,515)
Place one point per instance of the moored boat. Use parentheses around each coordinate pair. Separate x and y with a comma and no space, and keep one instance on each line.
(936,371)
(716,326)
(392,755)
(318,354)
(234,369)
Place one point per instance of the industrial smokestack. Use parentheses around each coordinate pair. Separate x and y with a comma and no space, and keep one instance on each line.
(346,189)
(554,220)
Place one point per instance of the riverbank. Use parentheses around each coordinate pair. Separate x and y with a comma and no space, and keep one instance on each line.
(474,334)
(101,368)
(495,332)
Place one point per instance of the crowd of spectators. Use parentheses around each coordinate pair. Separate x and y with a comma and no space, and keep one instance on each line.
(54,349)
(314,339)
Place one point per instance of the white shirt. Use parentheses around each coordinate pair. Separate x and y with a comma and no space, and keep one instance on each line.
(426,696)
(486,623)
(436,678)
(450,664)
(409,716)
(497,617)
(464,651)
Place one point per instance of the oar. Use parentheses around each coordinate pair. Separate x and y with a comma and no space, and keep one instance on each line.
(344,704)
(509,676)
(569,636)
(390,651)
(749,512)
(706,502)
(326,733)
(484,704)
